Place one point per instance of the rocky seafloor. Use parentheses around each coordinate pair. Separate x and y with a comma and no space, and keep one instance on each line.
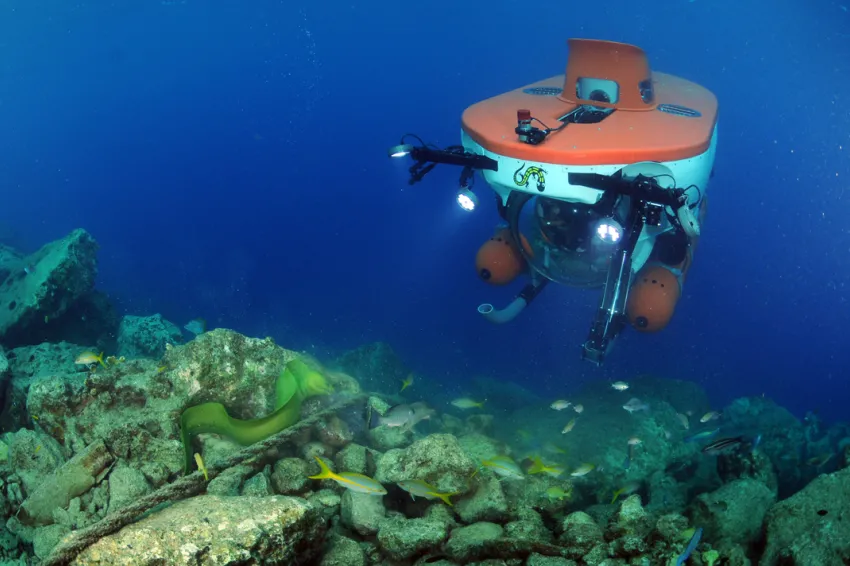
(82,445)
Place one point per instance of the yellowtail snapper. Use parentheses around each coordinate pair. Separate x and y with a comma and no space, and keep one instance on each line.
(421,488)
(349,480)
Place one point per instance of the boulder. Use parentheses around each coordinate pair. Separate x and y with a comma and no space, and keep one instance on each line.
(438,459)
(362,512)
(210,529)
(403,539)
(44,285)
(734,513)
(146,336)
(810,528)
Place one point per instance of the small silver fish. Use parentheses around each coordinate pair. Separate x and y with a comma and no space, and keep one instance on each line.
(400,415)
(635,404)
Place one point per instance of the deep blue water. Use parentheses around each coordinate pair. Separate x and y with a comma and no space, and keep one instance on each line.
(230,159)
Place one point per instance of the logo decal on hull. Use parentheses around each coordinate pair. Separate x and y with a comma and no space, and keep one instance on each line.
(522,179)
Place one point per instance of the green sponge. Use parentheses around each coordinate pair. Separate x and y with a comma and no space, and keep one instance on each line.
(296,382)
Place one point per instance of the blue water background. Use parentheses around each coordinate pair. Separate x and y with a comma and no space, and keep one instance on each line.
(230,159)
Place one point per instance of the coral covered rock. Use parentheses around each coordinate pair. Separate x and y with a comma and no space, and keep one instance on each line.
(45,284)
(487,503)
(216,530)
(580,533)
(402,539)
(437,459)
(342,551)
(810,528)
(362,512)
(467,543)
(146,336)
(290,476)
(734,513)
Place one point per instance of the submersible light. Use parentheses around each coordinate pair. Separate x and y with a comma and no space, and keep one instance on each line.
(609,231)
(400,150)
(467,199)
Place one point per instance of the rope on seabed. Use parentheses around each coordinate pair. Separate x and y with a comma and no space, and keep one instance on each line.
(186,486)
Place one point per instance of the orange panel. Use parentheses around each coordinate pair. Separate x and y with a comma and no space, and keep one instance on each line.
(625,136)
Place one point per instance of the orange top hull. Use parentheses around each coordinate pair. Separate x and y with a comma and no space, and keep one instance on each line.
(676,123)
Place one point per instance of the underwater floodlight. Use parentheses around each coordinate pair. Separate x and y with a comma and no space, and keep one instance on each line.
(400,150)
(467,199)
(609,231)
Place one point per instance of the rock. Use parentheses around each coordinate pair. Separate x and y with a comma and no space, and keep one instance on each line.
(45,538)
(442,513)
(540,560)
(480,447)
(402,539)
(438,459)
(229,482)
(28,364)
(488,503)
(5,372)
(744,464)
(91,319)
(810,527)
(334,432)
(33,456)
(257,485)
(376,366)
(670,527)
(352,458)
(46,284)
(532,493)
(327,501)
(388,437)
(529,527)
(631,519)
(72,479)
(135,406)
(207,530)
(8,540)
(734,513)
(290,476)
(580,533)
(225,367)
(312,450)
(467,543)
(146,336)
(126,485)
(362,512)
(342,551)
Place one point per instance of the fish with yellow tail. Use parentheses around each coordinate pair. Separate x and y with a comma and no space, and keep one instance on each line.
(88,358)
(407,382)
(627,489)
(503,466)
(201,466)
(421,488)
(538,467)
(556,493)
(349,480)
